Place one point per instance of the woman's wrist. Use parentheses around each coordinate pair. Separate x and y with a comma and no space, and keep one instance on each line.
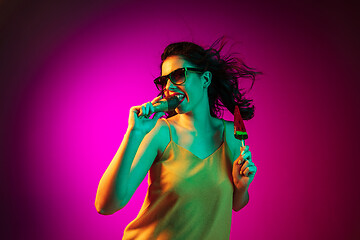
(135,132)
(241,188)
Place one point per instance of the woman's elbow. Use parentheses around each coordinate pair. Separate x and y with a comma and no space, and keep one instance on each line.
(101,209)
(105,211)
(237,208)
(108,210)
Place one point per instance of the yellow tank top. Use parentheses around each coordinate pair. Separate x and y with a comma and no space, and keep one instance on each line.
(187,198)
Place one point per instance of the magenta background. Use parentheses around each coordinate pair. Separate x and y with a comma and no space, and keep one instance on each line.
(71,71)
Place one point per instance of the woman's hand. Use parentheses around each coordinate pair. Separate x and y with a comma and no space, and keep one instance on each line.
(139,117)
(243,169)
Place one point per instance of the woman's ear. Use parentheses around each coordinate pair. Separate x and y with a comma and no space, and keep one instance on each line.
(207,79)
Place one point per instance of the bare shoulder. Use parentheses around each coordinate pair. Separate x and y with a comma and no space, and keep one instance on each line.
(160,127)
(233,143)
(160,134)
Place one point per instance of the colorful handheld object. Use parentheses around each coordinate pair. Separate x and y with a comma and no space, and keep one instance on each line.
(239,127)
(169,103)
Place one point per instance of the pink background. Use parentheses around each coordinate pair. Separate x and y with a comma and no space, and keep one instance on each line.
(70,71)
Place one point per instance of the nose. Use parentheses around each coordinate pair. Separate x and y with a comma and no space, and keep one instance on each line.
(169,85)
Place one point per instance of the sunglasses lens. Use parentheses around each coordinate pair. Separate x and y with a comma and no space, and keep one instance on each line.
(178,76)
(160,82)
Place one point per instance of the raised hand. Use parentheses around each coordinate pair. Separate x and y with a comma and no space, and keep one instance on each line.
(139,117)
(243,169)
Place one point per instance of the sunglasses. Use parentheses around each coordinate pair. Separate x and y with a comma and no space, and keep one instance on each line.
(177,77)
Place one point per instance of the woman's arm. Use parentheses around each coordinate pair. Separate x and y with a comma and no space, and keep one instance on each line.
(113,184)
(130,164)
(242,177)
(243,174)
(240,195)
(126,170)
(240,198)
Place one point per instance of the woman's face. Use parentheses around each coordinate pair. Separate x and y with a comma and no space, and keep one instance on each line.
(192,88)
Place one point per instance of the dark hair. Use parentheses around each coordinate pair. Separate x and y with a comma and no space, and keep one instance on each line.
(226,72)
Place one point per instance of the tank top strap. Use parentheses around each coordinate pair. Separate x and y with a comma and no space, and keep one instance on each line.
(169,128)
(224,132)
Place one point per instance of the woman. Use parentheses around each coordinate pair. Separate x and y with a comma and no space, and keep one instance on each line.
(198,171)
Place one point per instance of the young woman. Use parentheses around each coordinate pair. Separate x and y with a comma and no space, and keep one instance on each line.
(198,171)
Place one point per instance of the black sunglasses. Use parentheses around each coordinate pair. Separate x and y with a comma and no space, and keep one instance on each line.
(177,77)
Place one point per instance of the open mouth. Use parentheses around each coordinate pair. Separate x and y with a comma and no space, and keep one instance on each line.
(180,96)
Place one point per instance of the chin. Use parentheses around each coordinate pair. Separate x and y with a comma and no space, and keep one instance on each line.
(178,111)
(181,110)
(184,107)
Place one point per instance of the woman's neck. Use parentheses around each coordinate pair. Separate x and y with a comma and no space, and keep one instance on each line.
(198,120)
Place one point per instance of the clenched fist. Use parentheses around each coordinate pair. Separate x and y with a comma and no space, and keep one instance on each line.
(243,169)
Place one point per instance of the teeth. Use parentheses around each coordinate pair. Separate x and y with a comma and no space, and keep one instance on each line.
(181,97)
